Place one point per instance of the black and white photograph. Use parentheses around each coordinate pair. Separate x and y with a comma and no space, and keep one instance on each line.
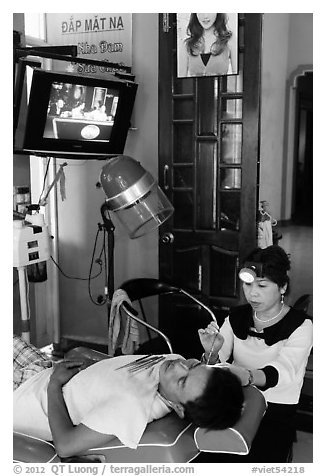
(163,300)
(207,44)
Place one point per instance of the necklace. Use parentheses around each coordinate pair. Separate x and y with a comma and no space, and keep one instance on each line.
(268,320)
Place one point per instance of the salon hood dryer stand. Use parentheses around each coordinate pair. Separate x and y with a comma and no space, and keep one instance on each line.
(109,229)
(135,198)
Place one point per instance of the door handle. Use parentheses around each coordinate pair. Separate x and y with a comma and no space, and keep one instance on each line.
(165,177)
(167,238)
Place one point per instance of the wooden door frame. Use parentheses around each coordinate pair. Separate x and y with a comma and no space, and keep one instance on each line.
(289,139)
(251,146)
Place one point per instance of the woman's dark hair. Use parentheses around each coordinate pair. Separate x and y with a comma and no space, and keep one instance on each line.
(276,264)
(195,44)
(221,404)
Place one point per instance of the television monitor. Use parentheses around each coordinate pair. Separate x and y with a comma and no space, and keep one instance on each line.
(74,115)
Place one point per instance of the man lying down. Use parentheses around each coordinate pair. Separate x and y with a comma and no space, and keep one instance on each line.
(79,407)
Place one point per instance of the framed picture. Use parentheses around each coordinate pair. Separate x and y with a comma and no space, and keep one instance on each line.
(207,44)
(99,97)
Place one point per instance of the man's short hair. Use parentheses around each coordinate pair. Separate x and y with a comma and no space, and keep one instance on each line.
(221,403)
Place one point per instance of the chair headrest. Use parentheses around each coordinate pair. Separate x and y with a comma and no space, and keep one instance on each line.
(236,440)
(144,287)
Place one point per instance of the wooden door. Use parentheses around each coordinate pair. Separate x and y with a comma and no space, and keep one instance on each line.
(208,167)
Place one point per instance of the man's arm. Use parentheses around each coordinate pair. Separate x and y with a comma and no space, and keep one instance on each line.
(68,439)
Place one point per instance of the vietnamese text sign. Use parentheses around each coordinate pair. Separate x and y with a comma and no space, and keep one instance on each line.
(98,36)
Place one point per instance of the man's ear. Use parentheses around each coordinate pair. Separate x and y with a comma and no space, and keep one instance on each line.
(179,409)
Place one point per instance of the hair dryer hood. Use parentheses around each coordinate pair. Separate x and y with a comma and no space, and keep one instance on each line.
(134,195)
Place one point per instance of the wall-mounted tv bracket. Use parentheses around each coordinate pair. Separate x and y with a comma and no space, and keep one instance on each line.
(61,53)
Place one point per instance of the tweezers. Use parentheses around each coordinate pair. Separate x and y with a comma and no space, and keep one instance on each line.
(211,350)
(148,364)
(142,363)
(134,362)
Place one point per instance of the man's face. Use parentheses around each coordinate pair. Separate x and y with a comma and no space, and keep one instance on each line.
(183,380)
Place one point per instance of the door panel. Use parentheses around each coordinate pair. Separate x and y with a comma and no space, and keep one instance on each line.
(208,166)
(187,265)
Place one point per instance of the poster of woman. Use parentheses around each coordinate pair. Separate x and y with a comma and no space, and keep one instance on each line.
(207,44)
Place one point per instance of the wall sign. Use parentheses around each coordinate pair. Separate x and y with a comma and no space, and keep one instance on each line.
(98,36)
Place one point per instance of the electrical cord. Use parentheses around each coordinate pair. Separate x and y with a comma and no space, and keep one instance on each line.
(27,292)
(73,277)
(44,179)
(105,261)
(99,261)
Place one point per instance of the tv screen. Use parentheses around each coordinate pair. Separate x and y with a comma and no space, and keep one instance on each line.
(72,115)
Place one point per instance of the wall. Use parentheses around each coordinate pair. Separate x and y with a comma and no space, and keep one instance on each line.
(287,43)
(276,27)
(300,41)
(21,176)
(79,214)
(300,60)
(21,168)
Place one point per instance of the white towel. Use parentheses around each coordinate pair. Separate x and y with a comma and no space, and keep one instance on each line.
(120,324)
(265,234)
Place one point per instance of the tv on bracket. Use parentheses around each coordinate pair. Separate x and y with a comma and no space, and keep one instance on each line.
(74,115)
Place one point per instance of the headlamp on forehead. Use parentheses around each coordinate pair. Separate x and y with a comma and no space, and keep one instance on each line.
(250,271)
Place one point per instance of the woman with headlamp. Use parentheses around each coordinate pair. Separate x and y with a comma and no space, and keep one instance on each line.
(268,343)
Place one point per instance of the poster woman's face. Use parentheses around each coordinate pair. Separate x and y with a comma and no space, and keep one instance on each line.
(206,20)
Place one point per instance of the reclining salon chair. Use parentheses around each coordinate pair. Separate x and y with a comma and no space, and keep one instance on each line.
(169,439)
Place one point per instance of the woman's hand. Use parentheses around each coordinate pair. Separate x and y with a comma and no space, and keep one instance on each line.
(211,337)
(64,371)
(240,372)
